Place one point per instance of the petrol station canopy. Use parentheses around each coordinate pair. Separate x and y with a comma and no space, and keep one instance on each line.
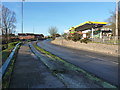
(88,25)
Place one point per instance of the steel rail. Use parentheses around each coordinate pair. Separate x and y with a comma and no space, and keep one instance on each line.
(5,65)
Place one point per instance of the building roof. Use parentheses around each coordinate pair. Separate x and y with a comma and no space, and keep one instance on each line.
(21,34)
(39,35)
(30,34)
(25,34)
(88,25)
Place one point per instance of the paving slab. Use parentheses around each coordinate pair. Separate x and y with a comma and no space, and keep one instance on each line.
(30,72)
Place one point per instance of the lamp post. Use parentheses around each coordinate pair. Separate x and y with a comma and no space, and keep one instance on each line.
(116,38)
(22,15)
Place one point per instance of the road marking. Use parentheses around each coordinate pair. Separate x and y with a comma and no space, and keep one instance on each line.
(115,62)
(101,59)
(90,56)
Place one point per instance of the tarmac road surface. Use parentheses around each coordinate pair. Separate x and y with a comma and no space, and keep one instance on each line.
(101,65)
(30,72)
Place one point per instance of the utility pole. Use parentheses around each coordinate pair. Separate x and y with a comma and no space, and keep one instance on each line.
(1,19)
(33,29)
(22,15)
(92,33)
(116,38)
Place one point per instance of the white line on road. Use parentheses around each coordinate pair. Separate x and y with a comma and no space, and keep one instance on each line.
(101,59)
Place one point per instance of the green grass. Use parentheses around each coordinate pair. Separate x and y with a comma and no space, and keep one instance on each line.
(9,45)
(7,76)
(73,67)
(5,53)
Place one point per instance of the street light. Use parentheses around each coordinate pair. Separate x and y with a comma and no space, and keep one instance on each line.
(22,15)
(116,20)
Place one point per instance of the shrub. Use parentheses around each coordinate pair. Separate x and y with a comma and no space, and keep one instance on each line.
(4,47)
(76,37)
(53,38)
(9,45)
(69,38)
(85,40)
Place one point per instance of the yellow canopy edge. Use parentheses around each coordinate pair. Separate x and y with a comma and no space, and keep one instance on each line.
(89,22)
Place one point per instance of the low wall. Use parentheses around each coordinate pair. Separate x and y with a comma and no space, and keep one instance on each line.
(95,47)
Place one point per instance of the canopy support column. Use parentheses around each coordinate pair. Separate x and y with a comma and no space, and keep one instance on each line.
(100,34)
(92,33)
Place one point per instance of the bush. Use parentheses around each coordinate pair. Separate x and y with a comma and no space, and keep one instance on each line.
(76,37)
(53,37)
(69,38)
(5,46)
(85,40)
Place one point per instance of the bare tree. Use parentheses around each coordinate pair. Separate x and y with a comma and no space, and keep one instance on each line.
(53,31)
(112,21)
(8,22)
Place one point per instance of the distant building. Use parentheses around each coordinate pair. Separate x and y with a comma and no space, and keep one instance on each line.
(26,36)
(86,29)
(106,32)
(30,36)
(39,36)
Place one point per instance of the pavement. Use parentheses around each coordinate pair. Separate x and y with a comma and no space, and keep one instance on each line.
(102,65)
(30,72)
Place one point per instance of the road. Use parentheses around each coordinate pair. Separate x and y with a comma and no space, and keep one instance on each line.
(101,65)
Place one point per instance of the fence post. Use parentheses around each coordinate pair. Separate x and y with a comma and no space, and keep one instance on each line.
(92,34)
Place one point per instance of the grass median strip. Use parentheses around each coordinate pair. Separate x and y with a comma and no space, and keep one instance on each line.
(92,77)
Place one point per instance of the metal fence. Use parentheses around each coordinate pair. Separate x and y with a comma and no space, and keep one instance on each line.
(107,40)
(5,65)
(112,40)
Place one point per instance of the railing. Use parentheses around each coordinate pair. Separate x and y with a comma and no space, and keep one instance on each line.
(107,40)
(5,65)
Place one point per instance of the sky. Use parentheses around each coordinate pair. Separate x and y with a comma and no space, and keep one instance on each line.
(60,0)
(39,16)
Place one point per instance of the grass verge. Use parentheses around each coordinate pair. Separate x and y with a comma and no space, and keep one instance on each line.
(5,53)
(76,68)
